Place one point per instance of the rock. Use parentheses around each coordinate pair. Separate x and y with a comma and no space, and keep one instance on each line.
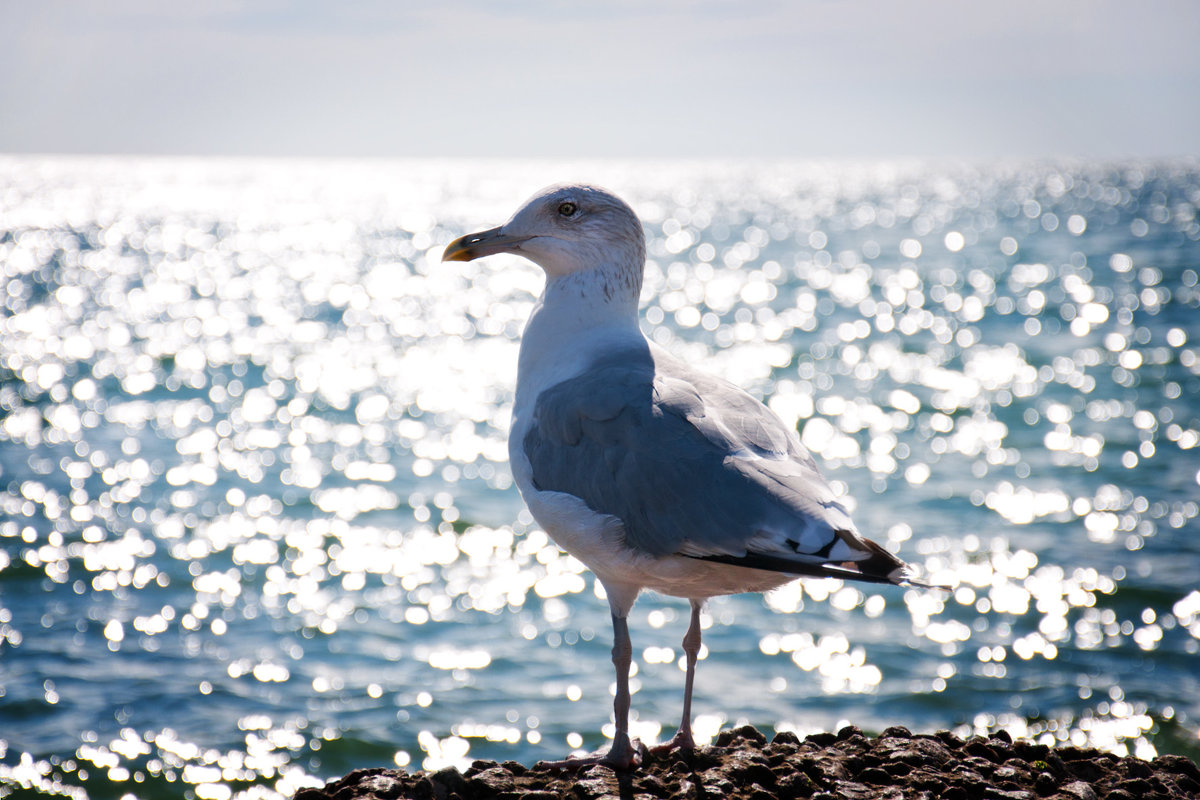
(1056,765)
(421,790)
(896,732)
(786,737)
(1044,784)
(980,748)
(852,790)
(1078,790)
(1136,768)
(916,752)
(687,791)
(589,788)
(1177,764)
(924,781)
(1188,785)
(949,739)
(848,765)
(1008,772)
(450,779)
(492,781)
(795,785)
(848,732)
(479,766)
(747,768)
(1136,787)
(383,787)
(875,775)
(992,793)
(1087,771)
(980,765)
(824,770)
(716,785)
(747,733)
(821,739)
(1030,751)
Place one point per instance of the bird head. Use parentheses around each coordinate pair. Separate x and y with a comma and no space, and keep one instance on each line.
(566,230)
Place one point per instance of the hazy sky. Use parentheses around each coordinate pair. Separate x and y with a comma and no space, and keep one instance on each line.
(805,78)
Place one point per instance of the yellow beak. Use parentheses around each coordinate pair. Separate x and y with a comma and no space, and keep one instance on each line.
(484,243)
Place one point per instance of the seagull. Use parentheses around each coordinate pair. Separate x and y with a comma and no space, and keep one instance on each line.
(654,474)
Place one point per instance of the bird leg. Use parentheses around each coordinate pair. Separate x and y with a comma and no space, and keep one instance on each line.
(621,755)
(682,740)
(622,657)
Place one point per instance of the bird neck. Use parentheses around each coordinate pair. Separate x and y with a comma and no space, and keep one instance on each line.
(603,296)
(607,290)
(575,319)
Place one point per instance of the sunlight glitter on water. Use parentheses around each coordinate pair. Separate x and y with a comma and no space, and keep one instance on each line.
(253,461)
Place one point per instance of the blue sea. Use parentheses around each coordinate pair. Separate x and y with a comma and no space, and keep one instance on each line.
(257,526)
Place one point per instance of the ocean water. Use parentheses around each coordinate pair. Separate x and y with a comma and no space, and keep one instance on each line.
(257,526)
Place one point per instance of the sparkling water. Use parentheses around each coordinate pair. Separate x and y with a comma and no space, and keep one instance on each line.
(257,526)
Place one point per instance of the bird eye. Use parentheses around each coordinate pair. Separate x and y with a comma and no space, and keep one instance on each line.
(567,209)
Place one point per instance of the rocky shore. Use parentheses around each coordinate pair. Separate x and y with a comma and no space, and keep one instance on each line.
(742,765)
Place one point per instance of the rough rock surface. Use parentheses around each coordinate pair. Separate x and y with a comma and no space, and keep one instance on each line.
(742,765)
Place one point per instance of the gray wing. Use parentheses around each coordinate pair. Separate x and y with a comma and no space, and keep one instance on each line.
(692,465)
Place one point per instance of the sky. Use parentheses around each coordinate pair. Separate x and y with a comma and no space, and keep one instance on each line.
(607,78)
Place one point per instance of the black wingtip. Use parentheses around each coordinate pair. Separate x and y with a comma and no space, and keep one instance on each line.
(906,580)
(800,569)
(880,565)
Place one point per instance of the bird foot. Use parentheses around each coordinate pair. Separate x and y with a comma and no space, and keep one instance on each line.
(617,758)
(682,740)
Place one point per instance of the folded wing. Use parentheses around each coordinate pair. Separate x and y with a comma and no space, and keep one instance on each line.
(694,466)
